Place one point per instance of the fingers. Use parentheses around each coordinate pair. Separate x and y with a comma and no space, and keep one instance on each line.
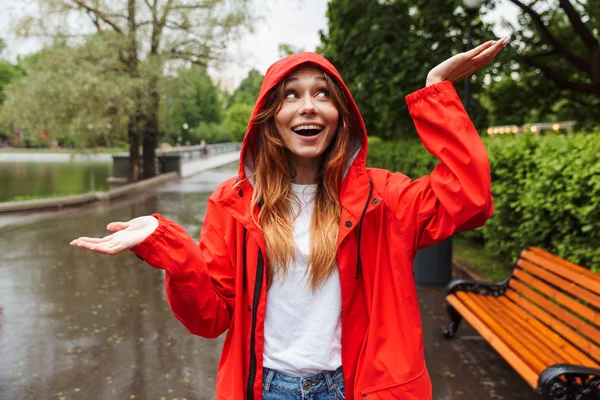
(488,54)
(102,247)
(117,226)
(92,240)
(482,47)
(487,48)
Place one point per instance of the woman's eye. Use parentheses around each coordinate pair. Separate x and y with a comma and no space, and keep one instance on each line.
(323,93)
(291,95)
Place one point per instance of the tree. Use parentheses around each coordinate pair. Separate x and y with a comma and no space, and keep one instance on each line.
(384,50)
(8,73)
(557,66)
(247,91)
(236,120)
(74,95)
(286,49)
(188,99)
(158,33)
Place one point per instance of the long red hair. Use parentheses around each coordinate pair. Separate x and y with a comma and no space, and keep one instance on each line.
(272,191)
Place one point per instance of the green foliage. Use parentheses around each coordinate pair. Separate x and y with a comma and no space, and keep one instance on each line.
(247,91)
(188,98)
(286,49)
(211,132)
(546,192)
(74,95)
(408,156)
(236,120)
(8,73)
(537,82)
(385,49)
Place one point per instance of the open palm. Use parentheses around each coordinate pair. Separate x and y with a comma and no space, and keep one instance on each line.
(127,235)
(461,65)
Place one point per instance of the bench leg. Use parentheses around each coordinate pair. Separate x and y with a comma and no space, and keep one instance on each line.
(569,382)
(455,319)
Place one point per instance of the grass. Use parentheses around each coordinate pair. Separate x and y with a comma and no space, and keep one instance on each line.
(40,197)
(482,260)
(103,150)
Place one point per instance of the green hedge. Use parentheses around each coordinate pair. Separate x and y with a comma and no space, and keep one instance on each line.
(546,191)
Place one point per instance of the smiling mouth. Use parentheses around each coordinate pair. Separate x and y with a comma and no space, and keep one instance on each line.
(307,130)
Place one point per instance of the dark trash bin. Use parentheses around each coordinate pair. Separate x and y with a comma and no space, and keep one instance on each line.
(433,265)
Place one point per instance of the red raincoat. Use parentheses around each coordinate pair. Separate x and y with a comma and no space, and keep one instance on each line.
(220,285)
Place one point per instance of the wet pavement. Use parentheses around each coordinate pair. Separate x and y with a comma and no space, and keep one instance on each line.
(78,325)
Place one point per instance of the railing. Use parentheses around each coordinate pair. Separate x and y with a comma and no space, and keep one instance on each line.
(191,153)
(170,160)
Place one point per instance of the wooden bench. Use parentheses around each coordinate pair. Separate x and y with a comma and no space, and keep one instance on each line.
(544,320)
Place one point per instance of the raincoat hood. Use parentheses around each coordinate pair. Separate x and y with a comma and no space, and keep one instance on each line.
(275,74)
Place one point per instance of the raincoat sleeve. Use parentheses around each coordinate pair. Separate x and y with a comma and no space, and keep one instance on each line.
(457,194)
(199,278)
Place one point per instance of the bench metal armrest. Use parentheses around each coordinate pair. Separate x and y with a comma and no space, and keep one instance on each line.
(569,382)
(495,289)
(463,285)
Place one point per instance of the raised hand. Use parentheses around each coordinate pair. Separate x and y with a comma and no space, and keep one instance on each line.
(465,64)
(126,236)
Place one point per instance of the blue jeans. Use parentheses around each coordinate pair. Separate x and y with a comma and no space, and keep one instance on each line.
(327,385)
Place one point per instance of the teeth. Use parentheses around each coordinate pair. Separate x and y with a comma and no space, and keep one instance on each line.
(306,127)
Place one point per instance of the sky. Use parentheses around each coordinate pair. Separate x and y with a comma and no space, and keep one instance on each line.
(295,22)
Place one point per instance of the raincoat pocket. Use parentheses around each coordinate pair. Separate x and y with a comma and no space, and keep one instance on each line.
(416,388)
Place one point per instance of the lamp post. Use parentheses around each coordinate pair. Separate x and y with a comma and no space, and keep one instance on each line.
(471,6)
(433,265)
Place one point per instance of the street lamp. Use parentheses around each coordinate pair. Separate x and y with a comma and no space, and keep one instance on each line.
(433,265)
(471,6)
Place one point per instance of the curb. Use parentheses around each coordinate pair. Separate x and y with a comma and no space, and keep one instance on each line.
(80,199)
(464,270)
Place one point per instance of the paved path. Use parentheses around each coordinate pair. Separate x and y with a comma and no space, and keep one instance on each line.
(193,167)
(78,325)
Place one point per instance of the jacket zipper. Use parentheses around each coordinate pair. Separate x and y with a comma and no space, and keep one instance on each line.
(257,288)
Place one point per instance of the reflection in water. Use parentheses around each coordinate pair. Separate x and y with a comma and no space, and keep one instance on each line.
(52,178)
(81,325)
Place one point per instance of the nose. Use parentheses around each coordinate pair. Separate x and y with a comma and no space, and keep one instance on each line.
(308,106)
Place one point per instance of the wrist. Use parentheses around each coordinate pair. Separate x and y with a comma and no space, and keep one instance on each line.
(431,80)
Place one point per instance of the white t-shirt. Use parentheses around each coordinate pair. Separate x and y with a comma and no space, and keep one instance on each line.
(303,330)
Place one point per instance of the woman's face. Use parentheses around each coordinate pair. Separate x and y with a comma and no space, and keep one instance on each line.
(308,118)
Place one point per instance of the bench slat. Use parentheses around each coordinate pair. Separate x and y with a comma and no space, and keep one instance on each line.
(591,332)
(568,302)
(564,330)
(508,338)
(561,283)
(570,271)
(506,352)
(497,312)
(551,338)
(566,263)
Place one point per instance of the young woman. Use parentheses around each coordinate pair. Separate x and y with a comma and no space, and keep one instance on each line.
(305,258)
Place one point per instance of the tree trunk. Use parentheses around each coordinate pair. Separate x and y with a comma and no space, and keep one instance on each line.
(151,131)
(150,141)
(133,128)
(134,149)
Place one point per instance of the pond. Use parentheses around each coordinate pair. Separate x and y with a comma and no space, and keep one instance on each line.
(26,180)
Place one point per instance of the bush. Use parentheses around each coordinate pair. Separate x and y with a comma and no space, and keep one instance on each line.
(546,192)
(407,156)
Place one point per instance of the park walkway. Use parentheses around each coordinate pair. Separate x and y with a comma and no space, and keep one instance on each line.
(78,325)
